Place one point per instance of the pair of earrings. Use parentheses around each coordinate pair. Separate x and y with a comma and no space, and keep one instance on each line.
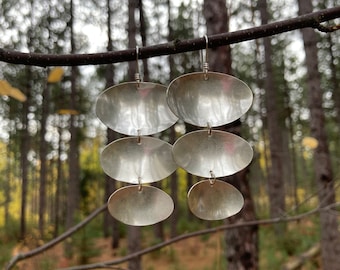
(138,109)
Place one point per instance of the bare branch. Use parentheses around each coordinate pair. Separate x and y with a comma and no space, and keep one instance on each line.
(298,261)
(201,232)
(22,256)
(174,47)
(108,264)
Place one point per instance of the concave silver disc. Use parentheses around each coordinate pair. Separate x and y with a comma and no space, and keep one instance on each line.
(136,207)
(134,159)
(212,98)
(215,201)
(220,153)
(135,109)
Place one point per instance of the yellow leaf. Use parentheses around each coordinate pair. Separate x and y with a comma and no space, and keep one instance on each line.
(68,111)
(310,142)
(55,75)
(5,88)
(17,94)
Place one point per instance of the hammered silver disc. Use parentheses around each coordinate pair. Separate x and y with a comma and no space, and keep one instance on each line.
(215,201)
(138,159)
(140,207)
(219,154)
(135,108)
(208,99)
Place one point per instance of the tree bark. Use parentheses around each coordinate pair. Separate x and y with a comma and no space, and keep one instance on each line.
(334,79)
(110,225)
(174,193)
(276,171)
(217,21)
(73,192)
(241,243)
(59,185)
(143,34)
(330,239)
(43,167)
(24,146)
(7,185)
(134,232)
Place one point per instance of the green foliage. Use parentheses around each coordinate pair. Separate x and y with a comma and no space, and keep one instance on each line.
(83,243)
(274,250)
(184,225)
(47,263)
(123,251)
(6,248)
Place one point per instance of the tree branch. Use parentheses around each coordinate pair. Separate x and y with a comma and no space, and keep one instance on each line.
(53,242)
(201,232)
(174,47)
(108,264)
(298,261)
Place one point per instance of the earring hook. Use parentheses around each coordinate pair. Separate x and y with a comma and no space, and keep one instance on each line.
(212,178)
(137,74)
(205,64)
(140,186)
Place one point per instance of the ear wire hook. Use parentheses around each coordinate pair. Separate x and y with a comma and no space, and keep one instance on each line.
(209,129)
(140,186)
(205,64)
(212,178)
(139,139)
(137,74)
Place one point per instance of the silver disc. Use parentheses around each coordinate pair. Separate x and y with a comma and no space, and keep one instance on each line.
(135,109)
(215,201)
(203,99)
(220,153)
(136,207)
(133,159)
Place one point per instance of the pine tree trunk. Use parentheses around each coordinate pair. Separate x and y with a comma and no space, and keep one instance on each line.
(330,241)
(58,191)
(241,243)
(335,80)
(276,171)
(110,225)
(73,192)
(143,33)
(217,21)
(24,138)
(173,177)
(134,232)
(43,167)
(174,192)
(7,185)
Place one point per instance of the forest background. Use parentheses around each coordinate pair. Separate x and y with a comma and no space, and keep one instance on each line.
(50,139)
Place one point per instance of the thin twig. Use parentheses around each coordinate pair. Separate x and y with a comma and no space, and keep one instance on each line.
(174,47)
(55,241)
(201,232)
(327,29)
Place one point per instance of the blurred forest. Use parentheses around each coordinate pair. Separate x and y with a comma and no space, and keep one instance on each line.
(50,138)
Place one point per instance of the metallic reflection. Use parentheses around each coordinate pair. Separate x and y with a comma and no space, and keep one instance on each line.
(135,110)
(215,201)
(146,158)
(143,207)
(219,100)
(221,153)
